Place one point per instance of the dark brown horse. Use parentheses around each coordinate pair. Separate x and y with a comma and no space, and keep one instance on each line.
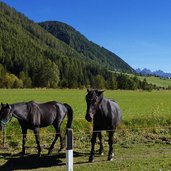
(106,115)
(32,115)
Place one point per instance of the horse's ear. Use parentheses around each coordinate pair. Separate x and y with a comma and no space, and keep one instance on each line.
(2,104)
(99,92)
(88,90)
(8,106)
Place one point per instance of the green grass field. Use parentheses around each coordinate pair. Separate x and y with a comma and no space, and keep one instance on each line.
(160,82)
(157,81)
(143,140)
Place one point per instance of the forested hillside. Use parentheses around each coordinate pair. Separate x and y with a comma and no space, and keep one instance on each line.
(30,56)
(83,46)
(26,47)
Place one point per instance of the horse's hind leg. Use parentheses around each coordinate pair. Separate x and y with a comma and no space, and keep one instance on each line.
(36,132)
(101,150)
(61,142)
(110,154)
(58,134)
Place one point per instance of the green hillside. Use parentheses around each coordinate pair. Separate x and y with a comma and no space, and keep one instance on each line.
(25,46)
(30,56)
(32,53)
(83,46)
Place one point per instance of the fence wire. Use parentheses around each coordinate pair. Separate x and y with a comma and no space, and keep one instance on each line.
(82,138)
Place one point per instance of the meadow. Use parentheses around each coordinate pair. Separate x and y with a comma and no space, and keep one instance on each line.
(161,82)
(143,139)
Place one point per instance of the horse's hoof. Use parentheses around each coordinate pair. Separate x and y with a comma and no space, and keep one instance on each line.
(38,155)
(61,148)
(50,152)
(110,158)
(101,152)
(22,154)
(91,160)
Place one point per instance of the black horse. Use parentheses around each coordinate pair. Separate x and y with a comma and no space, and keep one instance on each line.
(32,115)
(106,115)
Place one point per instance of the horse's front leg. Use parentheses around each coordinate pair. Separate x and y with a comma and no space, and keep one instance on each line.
(36,132)
(24,135)
(110,142)
(101,150)
(93,141)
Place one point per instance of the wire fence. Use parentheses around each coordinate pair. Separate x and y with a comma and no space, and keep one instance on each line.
(102,130)
(82,138)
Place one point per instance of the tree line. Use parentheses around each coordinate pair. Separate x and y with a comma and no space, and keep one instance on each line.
(48,75)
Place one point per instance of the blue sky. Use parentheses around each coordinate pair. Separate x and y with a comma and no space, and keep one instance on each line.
(139,31)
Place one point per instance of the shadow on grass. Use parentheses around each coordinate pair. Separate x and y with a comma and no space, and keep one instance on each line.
(85,158)
(14,162)
(80,154)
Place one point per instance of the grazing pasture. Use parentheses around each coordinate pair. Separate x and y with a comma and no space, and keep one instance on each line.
(161,82)
(143,140)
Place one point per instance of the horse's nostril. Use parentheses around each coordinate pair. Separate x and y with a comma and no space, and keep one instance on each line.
(88,118)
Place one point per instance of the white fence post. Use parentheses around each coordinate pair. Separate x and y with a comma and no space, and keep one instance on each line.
(69,151)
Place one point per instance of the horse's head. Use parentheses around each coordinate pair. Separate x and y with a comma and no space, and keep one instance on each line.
(93,99)
(5,113)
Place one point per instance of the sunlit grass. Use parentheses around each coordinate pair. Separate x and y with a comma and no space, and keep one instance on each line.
(157,81)
(146,120)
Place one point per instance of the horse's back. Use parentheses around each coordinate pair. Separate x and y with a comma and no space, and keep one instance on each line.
(54,110)
(113,111)
(45,104)
(42,114)
(116,111)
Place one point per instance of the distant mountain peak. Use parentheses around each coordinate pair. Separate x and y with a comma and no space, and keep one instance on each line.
(158,73)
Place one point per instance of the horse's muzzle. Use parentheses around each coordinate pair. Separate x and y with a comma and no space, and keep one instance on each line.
(88,118)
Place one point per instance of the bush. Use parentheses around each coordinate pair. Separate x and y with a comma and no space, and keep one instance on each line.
(12,81)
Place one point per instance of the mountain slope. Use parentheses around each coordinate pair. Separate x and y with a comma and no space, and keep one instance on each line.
(30,56)
(16,27)
(83,46)
(27,47)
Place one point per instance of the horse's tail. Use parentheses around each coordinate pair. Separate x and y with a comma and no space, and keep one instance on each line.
(69,114)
